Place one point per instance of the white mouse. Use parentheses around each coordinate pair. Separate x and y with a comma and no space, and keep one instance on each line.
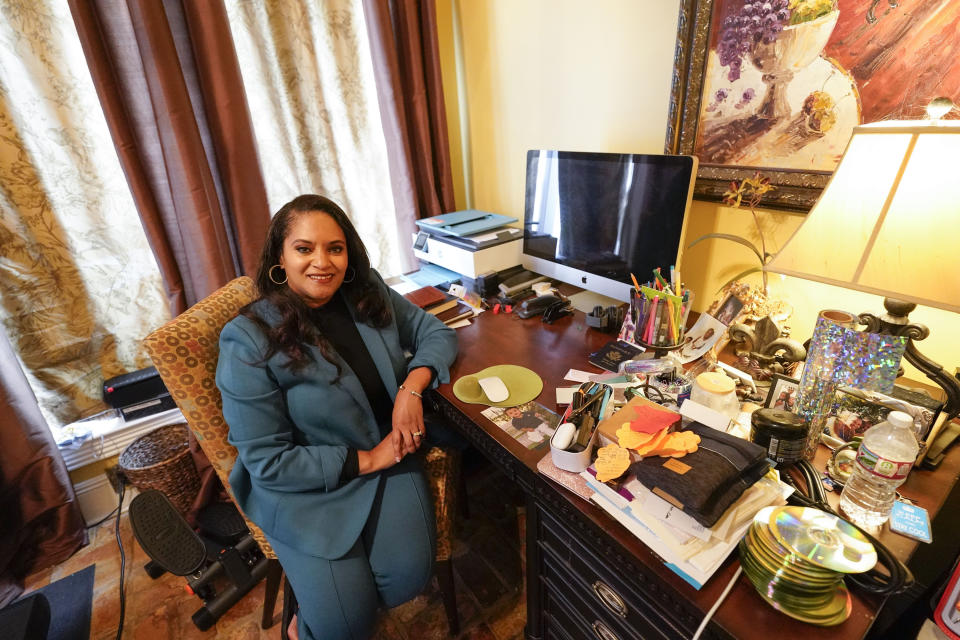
(494,388)
(563,438)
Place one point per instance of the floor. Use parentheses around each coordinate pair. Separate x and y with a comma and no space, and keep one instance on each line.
(487,566)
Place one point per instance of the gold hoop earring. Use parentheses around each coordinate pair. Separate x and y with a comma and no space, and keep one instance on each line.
(272,279)
(353,275)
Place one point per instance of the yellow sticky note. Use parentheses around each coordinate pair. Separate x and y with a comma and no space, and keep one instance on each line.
(630,439)
(611,462)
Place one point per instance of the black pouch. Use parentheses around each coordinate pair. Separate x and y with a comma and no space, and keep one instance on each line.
(706,482)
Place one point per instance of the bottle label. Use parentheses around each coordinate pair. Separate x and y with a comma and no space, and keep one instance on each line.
(883,467)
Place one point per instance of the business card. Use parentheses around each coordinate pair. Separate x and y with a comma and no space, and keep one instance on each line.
(911,521)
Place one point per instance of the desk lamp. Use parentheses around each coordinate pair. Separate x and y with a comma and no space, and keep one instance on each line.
(888,223)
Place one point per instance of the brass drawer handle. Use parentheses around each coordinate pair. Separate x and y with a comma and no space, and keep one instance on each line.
(603,632)
(610,599)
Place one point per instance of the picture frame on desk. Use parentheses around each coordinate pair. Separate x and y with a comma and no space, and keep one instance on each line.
(783,393)
(749,113)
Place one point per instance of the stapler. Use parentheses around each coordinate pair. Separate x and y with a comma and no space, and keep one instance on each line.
(536,306)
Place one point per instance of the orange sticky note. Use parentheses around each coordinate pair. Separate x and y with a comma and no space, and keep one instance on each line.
(611,462)
(651,420)
(630,439)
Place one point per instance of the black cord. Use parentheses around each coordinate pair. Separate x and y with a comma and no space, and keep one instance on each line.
(897,576)
(123,559)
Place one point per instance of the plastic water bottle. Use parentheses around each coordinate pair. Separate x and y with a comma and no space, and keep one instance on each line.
(885,457)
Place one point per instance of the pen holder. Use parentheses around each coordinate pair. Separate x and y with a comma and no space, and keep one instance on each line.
(579,459)
(574,461)
(657,320)
(661,350)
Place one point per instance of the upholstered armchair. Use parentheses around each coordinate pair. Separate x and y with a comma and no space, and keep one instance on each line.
(185,353)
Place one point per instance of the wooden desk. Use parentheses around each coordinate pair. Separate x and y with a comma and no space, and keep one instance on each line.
(572,544)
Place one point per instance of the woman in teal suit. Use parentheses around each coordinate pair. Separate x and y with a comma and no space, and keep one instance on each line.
(321,380)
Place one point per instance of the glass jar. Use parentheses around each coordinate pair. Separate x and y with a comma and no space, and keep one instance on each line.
(715,390)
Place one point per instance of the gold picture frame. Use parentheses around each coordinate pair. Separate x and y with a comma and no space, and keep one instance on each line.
(836,70)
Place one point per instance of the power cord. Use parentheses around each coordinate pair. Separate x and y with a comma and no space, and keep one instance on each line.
(897,576)
(122,482)
(897,579)
(716,605)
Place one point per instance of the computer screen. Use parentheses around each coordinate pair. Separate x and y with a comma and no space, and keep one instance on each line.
(592,219)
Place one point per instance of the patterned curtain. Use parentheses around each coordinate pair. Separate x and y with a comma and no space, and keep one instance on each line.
(310,85)
(79,286)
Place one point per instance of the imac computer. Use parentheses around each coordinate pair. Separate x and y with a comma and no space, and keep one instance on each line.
(592,219)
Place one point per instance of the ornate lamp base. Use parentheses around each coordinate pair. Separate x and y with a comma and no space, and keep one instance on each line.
(896,323)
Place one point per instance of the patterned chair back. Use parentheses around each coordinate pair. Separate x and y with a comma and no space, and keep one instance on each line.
(185,352)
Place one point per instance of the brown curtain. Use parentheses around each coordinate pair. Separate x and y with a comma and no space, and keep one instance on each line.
(41,524)
(169,83)
(406,58)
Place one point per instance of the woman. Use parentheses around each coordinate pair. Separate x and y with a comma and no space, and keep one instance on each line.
(324,410)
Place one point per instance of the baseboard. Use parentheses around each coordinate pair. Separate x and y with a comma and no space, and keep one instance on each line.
(97,499)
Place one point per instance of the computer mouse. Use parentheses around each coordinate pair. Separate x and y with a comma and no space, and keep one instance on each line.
(536,306)
(494,389)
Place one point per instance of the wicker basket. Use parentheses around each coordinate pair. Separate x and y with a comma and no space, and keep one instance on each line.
(161,460)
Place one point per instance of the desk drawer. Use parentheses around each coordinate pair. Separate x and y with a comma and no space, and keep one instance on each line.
(598,603)
(568,619)
(639,604)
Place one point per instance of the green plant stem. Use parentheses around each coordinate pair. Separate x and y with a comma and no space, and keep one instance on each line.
(763,247)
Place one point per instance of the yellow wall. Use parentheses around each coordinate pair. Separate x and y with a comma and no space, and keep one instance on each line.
(577,76)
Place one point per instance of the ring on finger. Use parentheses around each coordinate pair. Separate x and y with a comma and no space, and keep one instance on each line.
(417,434)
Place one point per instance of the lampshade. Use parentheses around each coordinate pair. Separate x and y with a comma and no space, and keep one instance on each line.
(888,221)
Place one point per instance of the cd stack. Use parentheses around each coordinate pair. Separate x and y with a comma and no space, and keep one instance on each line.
(796,558)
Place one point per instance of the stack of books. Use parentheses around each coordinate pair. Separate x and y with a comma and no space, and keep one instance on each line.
(446,307)
(689,549)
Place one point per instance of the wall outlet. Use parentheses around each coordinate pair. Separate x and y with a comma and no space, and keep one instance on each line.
(114,475)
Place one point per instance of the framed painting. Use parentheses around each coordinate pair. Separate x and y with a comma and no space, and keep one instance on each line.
(777,86)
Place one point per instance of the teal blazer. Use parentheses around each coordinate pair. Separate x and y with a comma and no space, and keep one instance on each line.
(292,430)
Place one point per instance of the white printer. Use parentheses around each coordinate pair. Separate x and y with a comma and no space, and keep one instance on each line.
(469,242)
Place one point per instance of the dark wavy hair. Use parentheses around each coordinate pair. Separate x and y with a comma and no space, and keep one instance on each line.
(296,330)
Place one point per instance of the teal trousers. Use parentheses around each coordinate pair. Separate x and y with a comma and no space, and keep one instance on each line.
(390,563)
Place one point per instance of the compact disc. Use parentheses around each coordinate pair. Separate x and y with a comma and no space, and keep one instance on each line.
(774,556)
(822,538)
(782,561)
(833,612)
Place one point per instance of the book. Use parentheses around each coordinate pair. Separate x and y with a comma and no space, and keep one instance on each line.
(567,479)
(449,301)
(687,548)
(612,354)
(458,311)
(426,296)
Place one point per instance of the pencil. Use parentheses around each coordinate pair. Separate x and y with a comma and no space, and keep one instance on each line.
(636,285)
(651,320)
(671,323)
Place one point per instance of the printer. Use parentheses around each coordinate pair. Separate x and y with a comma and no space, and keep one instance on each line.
(469,242)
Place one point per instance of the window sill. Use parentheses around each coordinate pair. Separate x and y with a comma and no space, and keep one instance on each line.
(109,436)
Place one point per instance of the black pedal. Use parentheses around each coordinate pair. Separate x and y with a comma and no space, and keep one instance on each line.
(222,522)
(164,535)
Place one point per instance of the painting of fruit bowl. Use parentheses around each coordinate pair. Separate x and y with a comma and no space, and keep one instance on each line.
(779,85)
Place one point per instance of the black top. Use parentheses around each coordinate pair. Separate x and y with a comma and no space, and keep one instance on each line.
(336,324)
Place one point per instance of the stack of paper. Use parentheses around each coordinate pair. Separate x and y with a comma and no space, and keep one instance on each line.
(691,550)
